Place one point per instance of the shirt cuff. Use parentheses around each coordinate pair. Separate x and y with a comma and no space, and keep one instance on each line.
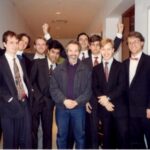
(119,35)
(47,36)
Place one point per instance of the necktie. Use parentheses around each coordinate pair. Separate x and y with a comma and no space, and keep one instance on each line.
(50,70)
(83,56)
(18,82)
(95,61)
(106,71)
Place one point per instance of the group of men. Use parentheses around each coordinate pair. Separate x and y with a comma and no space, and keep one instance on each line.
(89,88)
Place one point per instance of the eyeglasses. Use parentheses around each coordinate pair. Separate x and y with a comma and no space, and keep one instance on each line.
(134,42)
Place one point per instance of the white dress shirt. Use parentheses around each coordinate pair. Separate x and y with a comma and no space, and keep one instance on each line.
(50,63)
(39,56)
(85,53)
(133,66)
(10,60)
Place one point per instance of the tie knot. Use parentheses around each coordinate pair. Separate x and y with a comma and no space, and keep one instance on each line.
(96,58)
(106,63)
(51,66)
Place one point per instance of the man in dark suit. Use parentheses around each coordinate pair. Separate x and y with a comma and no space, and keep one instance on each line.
(15,92)
(92,138)
(23,44)
(43,106)
(109,87)
(137,73)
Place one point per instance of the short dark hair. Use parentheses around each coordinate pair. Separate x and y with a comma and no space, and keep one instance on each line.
(27,36)
(8,34)
(55,44)
(95,38)
(136,35)
(82,33)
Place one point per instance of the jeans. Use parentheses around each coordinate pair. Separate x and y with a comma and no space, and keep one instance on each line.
(76,117)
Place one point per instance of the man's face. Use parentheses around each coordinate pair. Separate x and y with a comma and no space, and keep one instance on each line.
(11,45)
(73,52)
(135,45)
(83,41)
(40,46)
(107,51)
(95,47)
(53,55)
(23,43)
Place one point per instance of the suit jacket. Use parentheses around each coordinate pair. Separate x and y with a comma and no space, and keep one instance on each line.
(2,51)
(114,88)
(39,78)
(138,92)
(82,84)
(8,89)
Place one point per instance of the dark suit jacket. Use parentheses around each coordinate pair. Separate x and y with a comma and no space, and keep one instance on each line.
(8,89)
(114,88)
(138,91)
(39,78)
(2,51)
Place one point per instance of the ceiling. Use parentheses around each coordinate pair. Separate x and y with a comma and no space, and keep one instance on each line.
(66,18)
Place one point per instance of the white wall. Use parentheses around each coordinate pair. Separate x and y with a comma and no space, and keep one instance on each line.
(10,19)
(141,20)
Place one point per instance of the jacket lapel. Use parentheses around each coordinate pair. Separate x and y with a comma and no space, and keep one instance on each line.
(140,64)
(8,76)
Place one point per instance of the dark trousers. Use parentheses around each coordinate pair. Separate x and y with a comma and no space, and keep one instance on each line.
(77,119)
(91,131)
(115,130)
(17,132)
(138,128)
(46,115)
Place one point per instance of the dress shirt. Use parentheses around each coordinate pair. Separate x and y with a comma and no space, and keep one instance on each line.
(39,56)
(99,59)
(133,66)
(11,65)
(86,54)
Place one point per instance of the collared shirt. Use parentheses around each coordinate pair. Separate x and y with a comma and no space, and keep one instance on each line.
(39,56)
(19,53)
(85,53)
(10,60)
(99,59)
(50,63)
(133,66)
(110,61)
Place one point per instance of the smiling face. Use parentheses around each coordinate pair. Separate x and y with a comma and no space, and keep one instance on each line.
(40,46)
(73,51)
(107,50)
(23,43)
(135,45)
(84,42)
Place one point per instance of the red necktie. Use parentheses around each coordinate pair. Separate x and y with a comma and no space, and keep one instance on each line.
(95,61)
(106,71)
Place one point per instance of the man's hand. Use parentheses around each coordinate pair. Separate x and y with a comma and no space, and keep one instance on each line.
(103,100)
(45,28)
(88,107)
(70,104)
(148,113)
(120,27)
(109,106)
